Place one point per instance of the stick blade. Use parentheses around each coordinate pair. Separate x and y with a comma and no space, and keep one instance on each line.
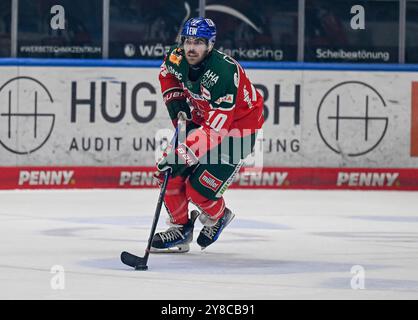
(133,261)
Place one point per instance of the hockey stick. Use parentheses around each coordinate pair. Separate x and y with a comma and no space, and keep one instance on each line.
(140,263)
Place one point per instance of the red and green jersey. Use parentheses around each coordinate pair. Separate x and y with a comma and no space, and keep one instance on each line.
(224,101)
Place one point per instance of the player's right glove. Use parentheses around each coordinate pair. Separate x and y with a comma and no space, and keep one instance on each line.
(176,106)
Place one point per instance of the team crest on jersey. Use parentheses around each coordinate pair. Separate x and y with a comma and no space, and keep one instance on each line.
(229,98)
(175,56)
(205,93)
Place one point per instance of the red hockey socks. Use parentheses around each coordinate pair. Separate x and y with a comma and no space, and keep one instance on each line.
(175,200)
(214,208)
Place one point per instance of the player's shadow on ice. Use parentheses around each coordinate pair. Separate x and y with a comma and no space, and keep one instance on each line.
(224,263)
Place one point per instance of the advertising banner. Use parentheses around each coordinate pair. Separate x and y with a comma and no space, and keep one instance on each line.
(268,178)
(92,117)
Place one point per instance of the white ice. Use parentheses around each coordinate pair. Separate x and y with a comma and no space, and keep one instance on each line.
(281,245)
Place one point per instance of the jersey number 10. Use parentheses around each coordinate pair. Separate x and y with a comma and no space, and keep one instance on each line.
(218,121)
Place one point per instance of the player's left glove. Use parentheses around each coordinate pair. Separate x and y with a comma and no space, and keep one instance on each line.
(178,160)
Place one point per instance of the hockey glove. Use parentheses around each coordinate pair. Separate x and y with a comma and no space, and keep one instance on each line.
(176,106)
(178,160)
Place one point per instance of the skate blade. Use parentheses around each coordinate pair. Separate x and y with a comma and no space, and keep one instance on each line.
(194,215)
(227,222)
(230,219)
(183,248)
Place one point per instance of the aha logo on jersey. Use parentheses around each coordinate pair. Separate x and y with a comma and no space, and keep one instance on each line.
(209,79)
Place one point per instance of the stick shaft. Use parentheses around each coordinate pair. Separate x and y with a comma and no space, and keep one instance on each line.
(180,130)
(157,213)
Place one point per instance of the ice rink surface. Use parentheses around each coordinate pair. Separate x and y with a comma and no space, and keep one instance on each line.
(281,245)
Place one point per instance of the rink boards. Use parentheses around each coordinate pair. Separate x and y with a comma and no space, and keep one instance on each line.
(98,124)
(268,178)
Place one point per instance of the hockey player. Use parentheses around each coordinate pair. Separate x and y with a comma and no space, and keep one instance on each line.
(224,111)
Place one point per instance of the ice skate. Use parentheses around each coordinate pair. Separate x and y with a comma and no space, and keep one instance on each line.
(175,239)
(212,229)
